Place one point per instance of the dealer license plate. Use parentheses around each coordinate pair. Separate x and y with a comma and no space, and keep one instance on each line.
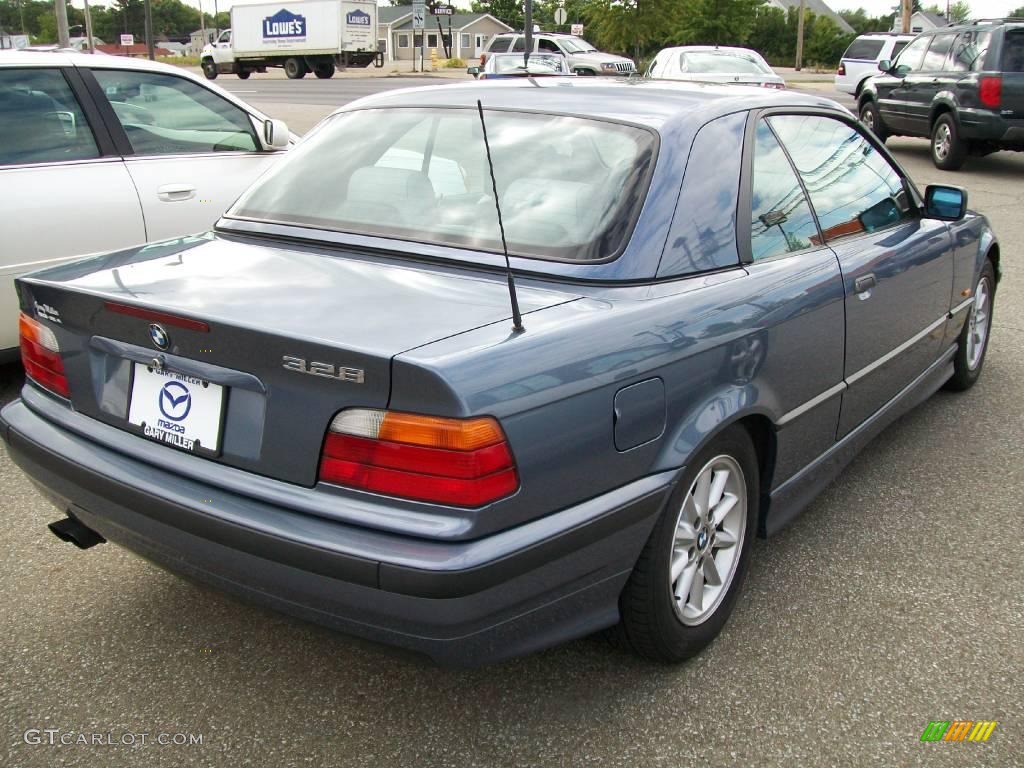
(176,409)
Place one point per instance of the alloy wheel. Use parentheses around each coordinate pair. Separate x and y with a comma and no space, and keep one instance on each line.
(977,334)
(708,540)
(943,142)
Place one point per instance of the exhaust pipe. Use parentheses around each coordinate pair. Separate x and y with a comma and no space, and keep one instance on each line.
(72,530)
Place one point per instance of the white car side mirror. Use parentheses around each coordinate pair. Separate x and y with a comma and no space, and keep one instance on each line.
(275,134)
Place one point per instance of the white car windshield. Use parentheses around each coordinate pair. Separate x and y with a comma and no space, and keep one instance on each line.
(720,63)
(570,188)
(540,64)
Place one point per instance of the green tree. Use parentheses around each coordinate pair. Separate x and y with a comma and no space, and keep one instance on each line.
(959,11)
(771,38)
(1019,13)
(723,22)
(826,43)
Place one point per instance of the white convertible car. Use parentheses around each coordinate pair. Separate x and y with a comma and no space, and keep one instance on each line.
(99,153)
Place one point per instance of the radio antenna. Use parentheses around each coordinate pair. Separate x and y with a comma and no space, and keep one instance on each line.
(517,319)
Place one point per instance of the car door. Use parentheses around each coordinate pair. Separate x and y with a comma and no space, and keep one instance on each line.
(923,85)
(64,189)
(897,266)
(190,152)
(892,87)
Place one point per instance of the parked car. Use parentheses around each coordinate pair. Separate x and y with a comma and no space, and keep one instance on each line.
(961,86)
(714,64)
(860,61)
(104,152)
(500,66)
(581,56)
(327,404)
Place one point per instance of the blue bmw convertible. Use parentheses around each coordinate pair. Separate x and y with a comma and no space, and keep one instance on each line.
(479,369)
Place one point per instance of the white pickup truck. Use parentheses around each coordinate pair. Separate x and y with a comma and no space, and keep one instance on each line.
(305,36)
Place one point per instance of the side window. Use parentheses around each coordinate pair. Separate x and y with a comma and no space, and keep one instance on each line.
(969,51)
(519,45)
(498,44)
(225,37)
(547,46)
(912,56)
(938,52)
(897,47)
(853,188)
(167,115)
(703,234)
(40,119)
(781,220)
(1013,50)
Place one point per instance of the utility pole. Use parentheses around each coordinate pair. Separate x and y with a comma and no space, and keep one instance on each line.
(528,31)
(88,28)
(149,30)
(21,14)
(908,6)
(800,37)
(63,35)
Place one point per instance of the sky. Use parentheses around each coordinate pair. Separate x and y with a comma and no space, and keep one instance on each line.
(980,8)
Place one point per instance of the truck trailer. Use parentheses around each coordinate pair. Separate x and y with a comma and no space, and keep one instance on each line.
(315,36)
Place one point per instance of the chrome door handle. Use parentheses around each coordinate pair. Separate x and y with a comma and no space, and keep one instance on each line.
(863,285)
(173,193)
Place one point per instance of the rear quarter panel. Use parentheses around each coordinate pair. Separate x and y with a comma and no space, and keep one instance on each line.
(756,342)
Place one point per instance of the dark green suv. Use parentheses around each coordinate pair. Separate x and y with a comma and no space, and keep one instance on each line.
(962,86)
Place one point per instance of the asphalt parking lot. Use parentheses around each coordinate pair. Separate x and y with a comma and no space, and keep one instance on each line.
(896,599)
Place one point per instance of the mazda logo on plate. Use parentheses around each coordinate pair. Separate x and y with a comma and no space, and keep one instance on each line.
(175,401)
(159,336)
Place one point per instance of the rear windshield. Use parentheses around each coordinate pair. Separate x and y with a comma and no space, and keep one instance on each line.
(1013,50)
(864,49)
(712,62)
(570,188)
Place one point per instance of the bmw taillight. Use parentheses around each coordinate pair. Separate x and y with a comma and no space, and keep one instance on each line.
(40,355)
(990,91)
(457,462)
(842,69)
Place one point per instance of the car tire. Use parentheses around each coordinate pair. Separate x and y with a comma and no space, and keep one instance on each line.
(949,151)
(655,622)
(324,70)
(209,69)
(872,120)
(294,68)
(972,344)
(243,74)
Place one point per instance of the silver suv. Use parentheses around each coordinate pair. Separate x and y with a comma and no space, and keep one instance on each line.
(861,59)
(581,56)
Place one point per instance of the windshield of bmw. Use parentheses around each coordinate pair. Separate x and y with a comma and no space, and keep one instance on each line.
(570,188)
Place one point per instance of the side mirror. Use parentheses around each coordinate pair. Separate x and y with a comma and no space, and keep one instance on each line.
(885,65)
(275,134)
(945,203)
(474,71)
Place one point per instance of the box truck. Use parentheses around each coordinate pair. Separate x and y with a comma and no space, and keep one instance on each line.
(305,36)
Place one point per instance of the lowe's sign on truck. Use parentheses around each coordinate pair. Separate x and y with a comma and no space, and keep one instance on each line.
(284,24)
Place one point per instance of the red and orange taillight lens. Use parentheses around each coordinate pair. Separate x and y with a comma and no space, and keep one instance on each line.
(40,355)
(457,462)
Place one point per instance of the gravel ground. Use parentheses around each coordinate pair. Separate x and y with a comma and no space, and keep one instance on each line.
(895,600)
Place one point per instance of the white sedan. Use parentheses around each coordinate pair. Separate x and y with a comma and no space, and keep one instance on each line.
(714,64)
(99,153)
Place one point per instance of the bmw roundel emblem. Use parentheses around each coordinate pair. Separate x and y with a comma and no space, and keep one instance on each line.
(159,336)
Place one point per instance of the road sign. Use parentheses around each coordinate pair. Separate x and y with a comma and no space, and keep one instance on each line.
(442,10)
(561,16)
(419,14)
(576,29)
(127,40)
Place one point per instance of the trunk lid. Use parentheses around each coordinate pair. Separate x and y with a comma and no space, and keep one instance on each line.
(292,336)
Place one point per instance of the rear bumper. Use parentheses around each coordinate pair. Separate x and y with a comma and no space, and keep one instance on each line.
(461,603)
(984,125)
